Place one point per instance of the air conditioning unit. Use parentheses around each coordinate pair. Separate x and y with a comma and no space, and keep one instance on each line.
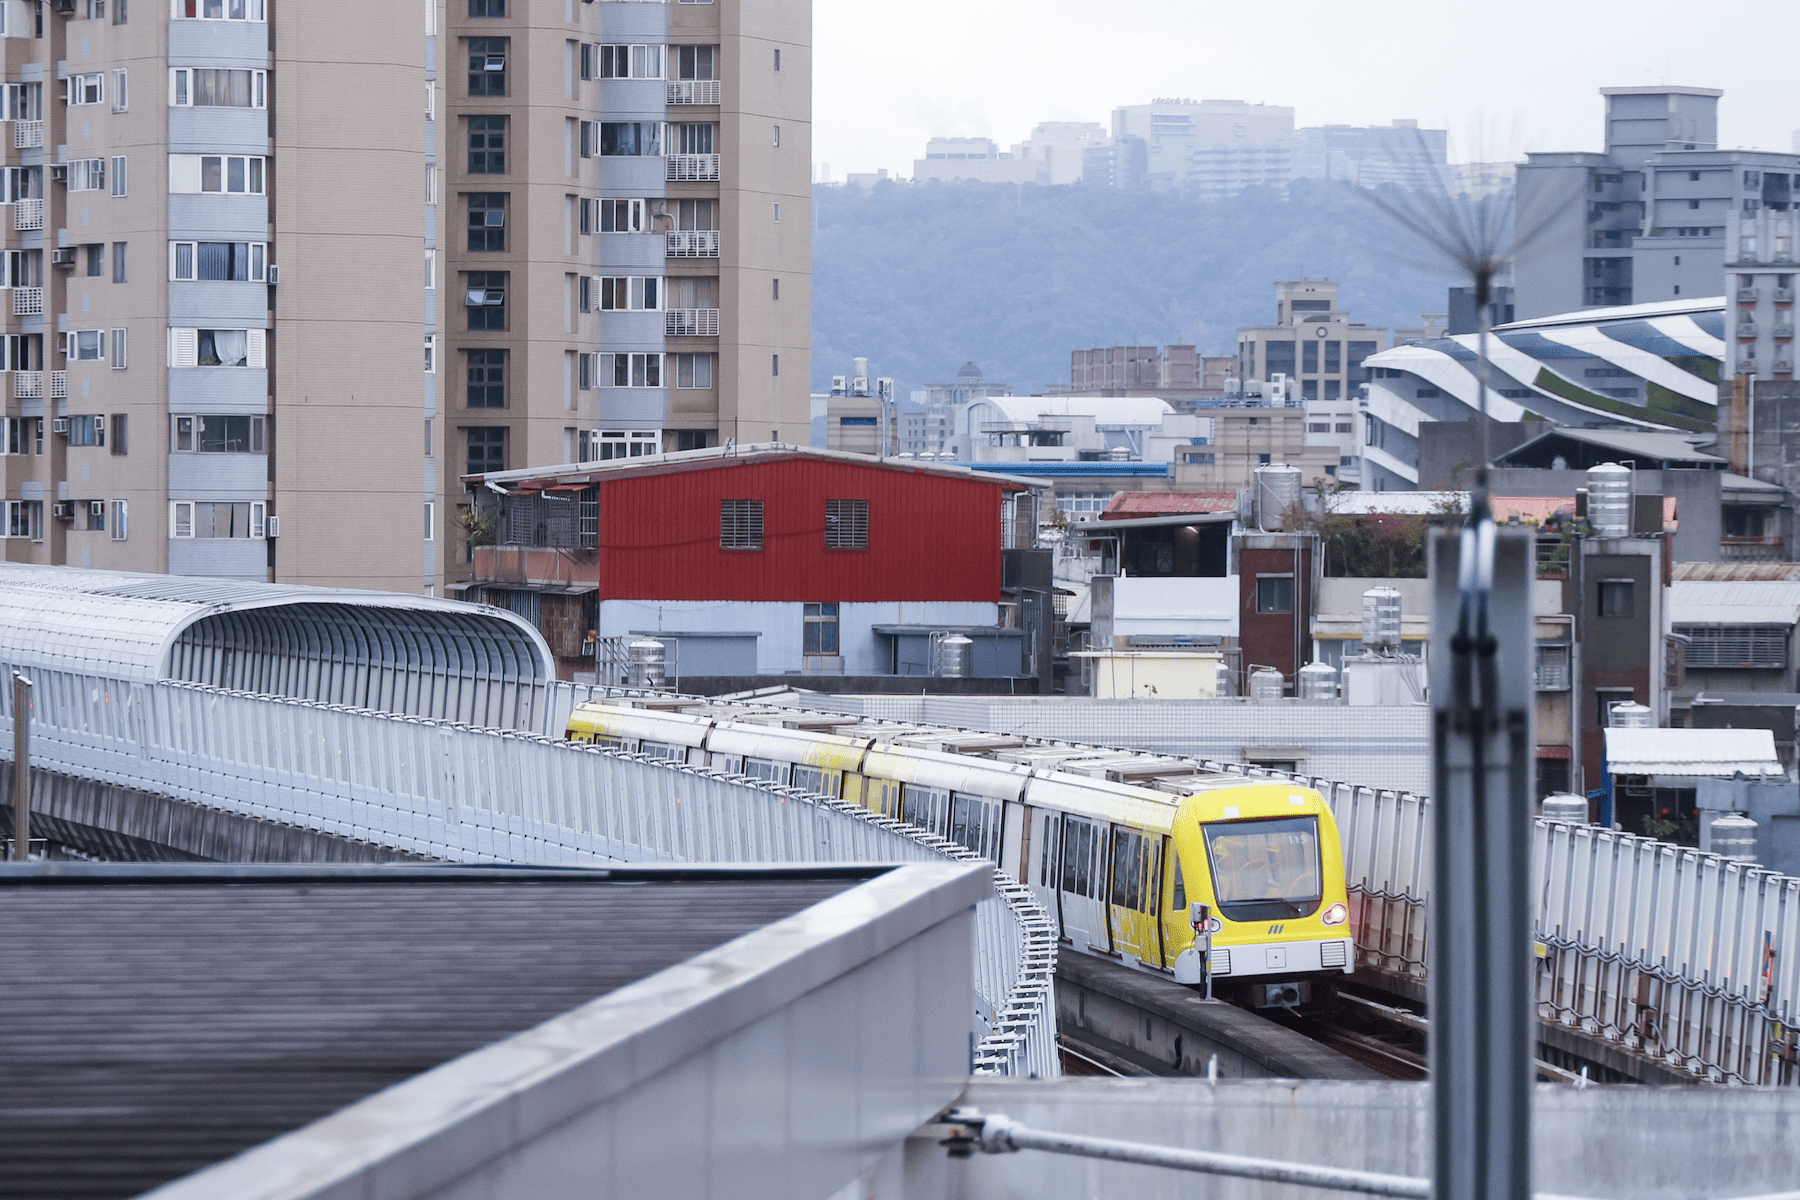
(96,508)
(63,510)
(274,274)
(63,256)
(59,172)
(272,527)
(59,425)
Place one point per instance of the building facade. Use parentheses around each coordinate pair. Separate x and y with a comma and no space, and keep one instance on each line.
(227,232)
(1312,342)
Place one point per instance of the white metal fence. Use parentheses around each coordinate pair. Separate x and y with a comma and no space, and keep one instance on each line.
(468,794)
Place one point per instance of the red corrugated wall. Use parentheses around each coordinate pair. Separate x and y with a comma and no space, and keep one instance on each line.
(931,537)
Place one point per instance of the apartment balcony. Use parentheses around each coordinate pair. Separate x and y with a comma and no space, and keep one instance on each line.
(1782,366)
(1784,295)
(1746,329)
(693,243)
(1746,295)
(536,566)
(691,322)
(693,168)
(1784,332)
(694,91)
(29,385)
(28,135)
(28,302)
(28,214)
(1752,549)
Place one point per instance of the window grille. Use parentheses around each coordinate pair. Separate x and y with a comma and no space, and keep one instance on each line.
(1742,647)
(846,524)
(1552,668)
(740,524)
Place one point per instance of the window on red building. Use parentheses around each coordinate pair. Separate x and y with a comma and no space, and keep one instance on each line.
(740,524)
(846,524)
(1274,593)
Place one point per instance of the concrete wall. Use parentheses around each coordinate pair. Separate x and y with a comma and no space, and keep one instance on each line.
(1647,1143)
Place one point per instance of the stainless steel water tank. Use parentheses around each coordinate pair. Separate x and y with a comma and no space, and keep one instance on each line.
(1277,493)
(1734,836)
(1266,685)
(1318,681)
(1609,500)
(953,657)
(1630,715)
(1381,618)
(646,658)
(1226,684)
(1566,807)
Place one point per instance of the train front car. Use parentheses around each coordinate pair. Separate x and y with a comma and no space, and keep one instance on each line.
(1264,858)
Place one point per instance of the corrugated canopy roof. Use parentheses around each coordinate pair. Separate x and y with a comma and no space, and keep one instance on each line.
(576,475)
(1736,571)
(1628,443)
(1168,504)
(1734,602)
(1707,753)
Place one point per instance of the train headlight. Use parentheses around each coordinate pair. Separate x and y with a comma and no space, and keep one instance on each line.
(1337,914)
(1214,925)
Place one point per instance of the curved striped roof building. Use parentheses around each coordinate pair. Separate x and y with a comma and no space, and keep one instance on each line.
(1644,366)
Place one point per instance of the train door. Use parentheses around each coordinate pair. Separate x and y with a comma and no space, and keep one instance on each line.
(817,780)
(1044,867)
(926,808)
(1177,934)
(975,823)
(1082,885)
(1134,894)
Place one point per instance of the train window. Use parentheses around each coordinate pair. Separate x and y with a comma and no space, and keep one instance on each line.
(1180,901)
(925,807)
(1083,857)
(1134,871)
(1052,842)
(825,783)
(762,768)
(1265,870)
(663,750)
(975,823)
(612,743)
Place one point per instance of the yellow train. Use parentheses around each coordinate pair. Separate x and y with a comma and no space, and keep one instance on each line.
(1117,845)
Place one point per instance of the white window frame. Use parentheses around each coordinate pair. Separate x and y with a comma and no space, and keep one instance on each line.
(121,520)
(430,521)
(188,425)
(184,349)
(636,218)
(431,99)
(86,174)
(26,433)
(258,271)
(632,293)
(181,88)
(431,355)
(431,185)
(639,60)
(120,345)
(84,89)
(181,518)
(121,95)
(187,173)
(23,520)
(603,445)
(688,362)
(118,175)
(252,10)
(637,366)
(93,351)
(22,102)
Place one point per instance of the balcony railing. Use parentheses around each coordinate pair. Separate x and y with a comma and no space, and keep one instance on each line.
(28,385)
(1746,295)
(693,91)
(28,135)
(28,302)
(691,322)
(1784,331)
(693,168)
(1746,329)
(1783,366)
(1784,295)
(59,385)
(693,243)
(1752,549)
(28,214)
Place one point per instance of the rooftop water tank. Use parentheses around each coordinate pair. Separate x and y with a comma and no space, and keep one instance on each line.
(646,658)
(1734,836)
(1567,808)
(1277,493)
(1381,619)
(1609,500)
(1318,681)
(1630,715)
(1226,684)
(1265,685)
(952,656)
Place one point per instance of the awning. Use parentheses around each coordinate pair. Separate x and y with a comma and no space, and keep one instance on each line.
(1700,753)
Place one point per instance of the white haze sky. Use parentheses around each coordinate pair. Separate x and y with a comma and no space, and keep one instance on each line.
(1503,76)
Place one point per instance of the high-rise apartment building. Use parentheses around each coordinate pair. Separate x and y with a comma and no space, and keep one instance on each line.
(231,228)
(1312,341)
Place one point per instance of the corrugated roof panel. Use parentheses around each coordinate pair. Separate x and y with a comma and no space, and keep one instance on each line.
(1704,753)
(1156,504)
(1734,602)
(1724,571)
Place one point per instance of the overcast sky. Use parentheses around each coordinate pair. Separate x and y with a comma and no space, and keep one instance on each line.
(1502,77)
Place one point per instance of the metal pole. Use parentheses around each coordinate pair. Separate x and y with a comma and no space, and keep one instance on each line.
(1482,1040)
(21,707)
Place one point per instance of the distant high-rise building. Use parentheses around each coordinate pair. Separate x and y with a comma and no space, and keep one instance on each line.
(1179,374)
(1400,153)
(1312,342)
(1060,146)
(977,159)
(1646,219)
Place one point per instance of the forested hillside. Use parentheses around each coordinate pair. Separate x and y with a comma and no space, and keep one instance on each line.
(921,279)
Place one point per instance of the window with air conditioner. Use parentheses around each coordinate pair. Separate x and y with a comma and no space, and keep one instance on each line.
(693,370)
(631,62)
(220,174)
(87,174)
(631,370)
(247,348)
(220,10)
(205,433)
(87,429)
(95,513)
(84,345)
(631,293)
(85,89)
(24,519)
(846,524)
(217,87)
(21,435)
(487,221)
(229,262)
(740,524)
(218,519)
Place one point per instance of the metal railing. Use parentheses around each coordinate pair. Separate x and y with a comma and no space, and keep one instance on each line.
(28,135)
(28,214)
(59,385)
(693,168)
(28,301)
(28,385)
(692,243)
(691,322)
(693,91)
(480,795)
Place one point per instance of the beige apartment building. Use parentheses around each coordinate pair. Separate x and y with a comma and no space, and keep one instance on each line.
(230,229)
(1313,349)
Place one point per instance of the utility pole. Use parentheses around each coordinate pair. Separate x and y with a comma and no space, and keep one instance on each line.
(1482,704)
(21,707)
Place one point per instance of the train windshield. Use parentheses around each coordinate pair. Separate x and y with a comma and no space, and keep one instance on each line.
(1265,870)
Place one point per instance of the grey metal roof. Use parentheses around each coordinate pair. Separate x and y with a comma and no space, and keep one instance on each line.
(1630,443)
(120,625)
(1708,753)
(163,1018)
